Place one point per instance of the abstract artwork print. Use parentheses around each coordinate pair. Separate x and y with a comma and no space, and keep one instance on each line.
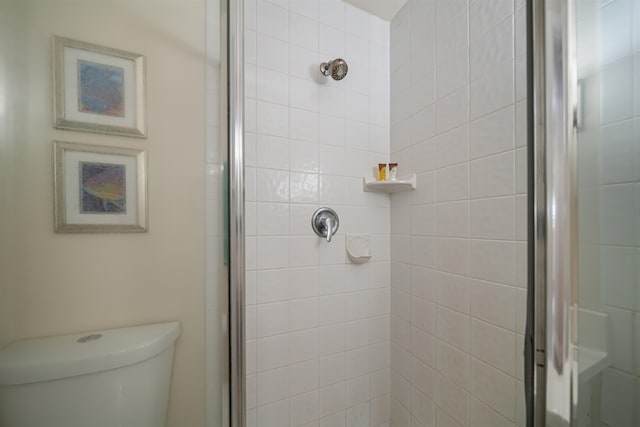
(101,89)
(103,188)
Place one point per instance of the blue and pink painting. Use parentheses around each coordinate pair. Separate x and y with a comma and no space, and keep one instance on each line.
(102,188)
(100,89)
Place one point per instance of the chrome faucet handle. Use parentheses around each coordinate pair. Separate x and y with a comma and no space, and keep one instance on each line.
(325,223)
(330,231)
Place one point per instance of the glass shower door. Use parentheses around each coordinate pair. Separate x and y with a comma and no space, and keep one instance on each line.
(608,152)
(584,299)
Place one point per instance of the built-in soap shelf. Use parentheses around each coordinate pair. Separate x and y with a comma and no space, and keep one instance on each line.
(403,183)
(592,352)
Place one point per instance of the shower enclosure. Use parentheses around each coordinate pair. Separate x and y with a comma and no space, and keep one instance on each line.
(503,290)
(430,328)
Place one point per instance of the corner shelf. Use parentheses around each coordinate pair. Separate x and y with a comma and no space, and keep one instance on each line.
(403,183)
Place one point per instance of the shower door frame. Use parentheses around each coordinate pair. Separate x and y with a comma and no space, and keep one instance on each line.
(236,221)
(552,297)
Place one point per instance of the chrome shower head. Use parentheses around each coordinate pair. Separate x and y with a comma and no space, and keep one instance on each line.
(337,69)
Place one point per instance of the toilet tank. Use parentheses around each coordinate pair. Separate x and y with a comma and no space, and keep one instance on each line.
(110,378)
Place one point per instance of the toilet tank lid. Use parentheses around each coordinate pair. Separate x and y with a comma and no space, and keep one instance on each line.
(49,358)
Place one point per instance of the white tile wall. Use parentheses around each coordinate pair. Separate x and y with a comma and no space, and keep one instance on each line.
(318,327)
(458,247)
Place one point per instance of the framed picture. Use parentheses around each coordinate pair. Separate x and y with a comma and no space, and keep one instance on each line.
(99,189)
(98,89)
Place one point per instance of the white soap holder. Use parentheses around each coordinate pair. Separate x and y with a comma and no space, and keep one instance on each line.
(358,247)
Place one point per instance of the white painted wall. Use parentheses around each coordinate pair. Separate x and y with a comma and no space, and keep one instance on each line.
(62,283)
(458,243)
(13,108)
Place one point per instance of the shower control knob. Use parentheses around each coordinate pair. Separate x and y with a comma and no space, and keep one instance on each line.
(325,223)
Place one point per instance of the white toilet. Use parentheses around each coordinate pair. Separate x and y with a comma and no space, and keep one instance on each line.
(111,378)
